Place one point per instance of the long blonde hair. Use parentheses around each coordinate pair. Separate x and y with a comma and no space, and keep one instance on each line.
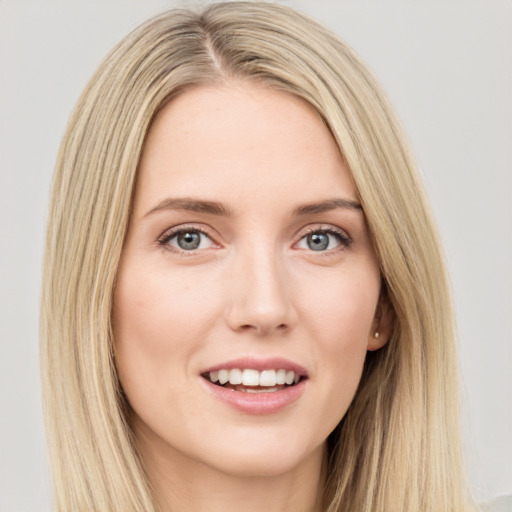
(397,448)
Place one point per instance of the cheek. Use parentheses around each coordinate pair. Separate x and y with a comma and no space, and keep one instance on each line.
(341,308)
(159,320)
(157,306)
(339,316)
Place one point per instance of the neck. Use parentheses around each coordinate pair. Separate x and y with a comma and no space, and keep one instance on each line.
(181,484)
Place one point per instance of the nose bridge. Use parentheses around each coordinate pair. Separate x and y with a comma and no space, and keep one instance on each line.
(260,295)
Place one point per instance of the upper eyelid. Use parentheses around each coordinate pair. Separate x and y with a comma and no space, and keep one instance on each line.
(173,231)
(207,231)
(323,227)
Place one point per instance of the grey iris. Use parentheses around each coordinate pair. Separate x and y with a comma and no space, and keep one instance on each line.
(189,240)
(318,241)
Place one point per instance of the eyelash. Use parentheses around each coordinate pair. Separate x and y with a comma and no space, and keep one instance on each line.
(339,234)
(163,241)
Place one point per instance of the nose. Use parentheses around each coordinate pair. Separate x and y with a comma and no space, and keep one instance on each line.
(260,296)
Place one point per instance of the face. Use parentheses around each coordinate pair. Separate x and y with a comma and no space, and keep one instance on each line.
(247,260)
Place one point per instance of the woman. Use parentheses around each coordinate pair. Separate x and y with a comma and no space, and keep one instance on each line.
(244,299)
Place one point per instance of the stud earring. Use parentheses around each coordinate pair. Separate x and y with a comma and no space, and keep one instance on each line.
(376,335)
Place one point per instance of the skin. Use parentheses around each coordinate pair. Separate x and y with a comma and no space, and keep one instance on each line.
(253,288)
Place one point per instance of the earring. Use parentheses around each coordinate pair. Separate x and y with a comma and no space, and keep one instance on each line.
(376,335)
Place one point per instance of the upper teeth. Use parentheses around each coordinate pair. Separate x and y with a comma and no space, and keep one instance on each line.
(249,377)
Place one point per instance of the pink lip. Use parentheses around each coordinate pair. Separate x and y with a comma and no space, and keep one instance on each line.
(257,403)
(274,363)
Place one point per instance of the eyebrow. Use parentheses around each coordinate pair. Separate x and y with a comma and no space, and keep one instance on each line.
(325,206)
(191,205)
(215,208)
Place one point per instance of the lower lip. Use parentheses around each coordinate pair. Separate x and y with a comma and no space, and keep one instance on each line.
(257,403)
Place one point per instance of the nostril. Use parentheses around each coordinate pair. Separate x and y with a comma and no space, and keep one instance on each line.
(264,330)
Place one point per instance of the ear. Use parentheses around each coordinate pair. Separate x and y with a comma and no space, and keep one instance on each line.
(382,325)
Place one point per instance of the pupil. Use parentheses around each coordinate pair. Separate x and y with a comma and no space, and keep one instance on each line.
(318,241)
(189,240)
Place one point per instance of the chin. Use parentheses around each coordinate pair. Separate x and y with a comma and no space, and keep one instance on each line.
(263,458)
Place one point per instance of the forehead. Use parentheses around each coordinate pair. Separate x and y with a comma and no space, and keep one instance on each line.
(237,141)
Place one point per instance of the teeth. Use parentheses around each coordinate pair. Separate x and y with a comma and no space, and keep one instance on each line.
(223,376)
(268,378)
(235,376)
(250,377)
(266,390)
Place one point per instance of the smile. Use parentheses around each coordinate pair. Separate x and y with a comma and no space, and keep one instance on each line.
(249,380)
(256,386)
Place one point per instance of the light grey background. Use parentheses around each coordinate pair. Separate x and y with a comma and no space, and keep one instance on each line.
(446,65)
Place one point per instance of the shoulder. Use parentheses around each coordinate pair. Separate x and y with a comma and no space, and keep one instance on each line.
(500,504)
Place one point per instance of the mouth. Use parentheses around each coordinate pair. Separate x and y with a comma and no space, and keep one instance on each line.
(249,380)
(257,386)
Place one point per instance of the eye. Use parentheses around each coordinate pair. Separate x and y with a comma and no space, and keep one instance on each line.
(323,240)
(187,240)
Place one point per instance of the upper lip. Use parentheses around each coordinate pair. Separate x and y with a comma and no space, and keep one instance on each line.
(260,364)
